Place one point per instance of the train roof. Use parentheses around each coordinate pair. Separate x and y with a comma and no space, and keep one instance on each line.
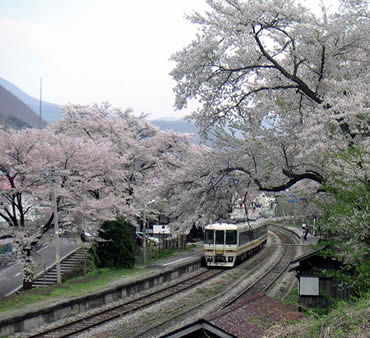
(230,226)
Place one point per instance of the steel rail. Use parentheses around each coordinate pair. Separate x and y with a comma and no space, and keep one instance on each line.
(267,280)
(157,328)
(84,321)
(100,317)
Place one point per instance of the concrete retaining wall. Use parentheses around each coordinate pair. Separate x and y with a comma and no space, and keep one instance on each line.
(33,319)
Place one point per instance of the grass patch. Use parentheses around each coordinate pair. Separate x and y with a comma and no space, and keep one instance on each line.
(154,254)
(73,287)
(201,292)
(291,298)
(212,291)
(293,225)
(80,285)
(346,319)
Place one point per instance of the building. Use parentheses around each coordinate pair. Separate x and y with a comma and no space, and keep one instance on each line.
(315,287)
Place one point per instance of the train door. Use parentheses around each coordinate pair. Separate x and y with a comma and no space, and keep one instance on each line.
(220,245)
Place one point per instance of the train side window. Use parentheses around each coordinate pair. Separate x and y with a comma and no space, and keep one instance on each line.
(243,238)
(220,236)
(230,237)
(209,237)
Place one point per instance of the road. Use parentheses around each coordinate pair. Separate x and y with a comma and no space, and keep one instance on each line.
(11,278)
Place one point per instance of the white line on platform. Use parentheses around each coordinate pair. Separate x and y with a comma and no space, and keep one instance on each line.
(179,260)
(7,269)
(42,249)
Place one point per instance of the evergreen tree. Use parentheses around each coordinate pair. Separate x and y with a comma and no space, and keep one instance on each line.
(117,249)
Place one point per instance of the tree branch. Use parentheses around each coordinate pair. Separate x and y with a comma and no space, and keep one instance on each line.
(294,178)
(301,85)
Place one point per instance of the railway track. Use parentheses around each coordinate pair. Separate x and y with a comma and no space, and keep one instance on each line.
(265,282)
(100,317)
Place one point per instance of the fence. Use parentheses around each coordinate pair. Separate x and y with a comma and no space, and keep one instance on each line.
(178,243)
(173,243)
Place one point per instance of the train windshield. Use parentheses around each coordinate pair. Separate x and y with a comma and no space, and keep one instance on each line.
(220,236)
(230,237)
(209,237)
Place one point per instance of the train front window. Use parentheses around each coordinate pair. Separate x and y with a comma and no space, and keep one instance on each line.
(220,236)
(209,237)
(230,237)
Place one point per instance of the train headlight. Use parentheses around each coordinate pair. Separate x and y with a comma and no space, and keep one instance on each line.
(231,259)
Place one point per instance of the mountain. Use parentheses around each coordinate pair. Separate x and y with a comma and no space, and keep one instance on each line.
(49,111)
(15,114)
(178,126)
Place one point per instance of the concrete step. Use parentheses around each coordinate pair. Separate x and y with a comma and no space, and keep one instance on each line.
(37,285)
(66,265)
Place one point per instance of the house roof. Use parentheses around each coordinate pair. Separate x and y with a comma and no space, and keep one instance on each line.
(306,256)
(250,318)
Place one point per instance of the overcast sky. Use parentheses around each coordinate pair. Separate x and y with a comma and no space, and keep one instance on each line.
(89,51)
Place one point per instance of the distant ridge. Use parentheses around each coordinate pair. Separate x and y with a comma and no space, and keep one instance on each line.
(15,114)
(49,111)
(178,126)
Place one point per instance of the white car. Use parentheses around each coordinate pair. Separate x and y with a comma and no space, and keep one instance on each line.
(152,239)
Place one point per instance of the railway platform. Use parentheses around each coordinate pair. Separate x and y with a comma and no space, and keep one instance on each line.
(195,251)
(160,272)
(310,238)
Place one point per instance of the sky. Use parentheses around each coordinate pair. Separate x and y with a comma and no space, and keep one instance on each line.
(90,51)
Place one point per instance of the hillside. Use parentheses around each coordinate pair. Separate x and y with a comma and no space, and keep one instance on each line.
(178,126)
(49,111)
(346,319)
(15,114)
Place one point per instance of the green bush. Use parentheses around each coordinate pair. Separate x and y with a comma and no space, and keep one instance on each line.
(116,249)
(345,222)
(5,248)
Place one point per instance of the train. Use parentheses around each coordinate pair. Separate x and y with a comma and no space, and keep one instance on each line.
(226,244)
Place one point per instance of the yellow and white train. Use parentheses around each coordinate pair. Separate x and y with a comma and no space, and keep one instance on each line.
(228,244)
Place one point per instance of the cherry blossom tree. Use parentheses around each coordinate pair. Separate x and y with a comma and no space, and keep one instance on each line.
(79,169)
(97,158)
(280,90)
(289,85)
(143,151)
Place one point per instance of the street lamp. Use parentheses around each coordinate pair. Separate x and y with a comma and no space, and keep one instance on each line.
(144,227)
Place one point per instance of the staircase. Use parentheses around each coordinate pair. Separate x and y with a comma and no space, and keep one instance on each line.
(67,264)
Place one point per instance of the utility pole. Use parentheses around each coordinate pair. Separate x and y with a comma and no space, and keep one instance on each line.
(40,122)
(144,232)
(56,231)
(144,228)
(50,177)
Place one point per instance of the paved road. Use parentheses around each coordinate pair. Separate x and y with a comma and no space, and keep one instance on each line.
(11,278)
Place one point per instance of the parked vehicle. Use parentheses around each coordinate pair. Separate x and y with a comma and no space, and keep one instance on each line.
(87,236)
(149,239)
